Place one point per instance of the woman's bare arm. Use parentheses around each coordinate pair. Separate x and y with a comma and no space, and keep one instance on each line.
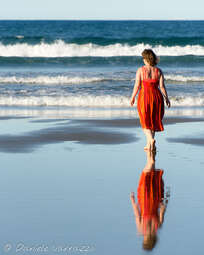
(163,89)
(136,86)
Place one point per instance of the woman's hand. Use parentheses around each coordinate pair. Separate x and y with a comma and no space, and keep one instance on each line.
(132,101)
(168,103)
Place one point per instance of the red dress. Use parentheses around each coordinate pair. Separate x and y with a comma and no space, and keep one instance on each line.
(150,103)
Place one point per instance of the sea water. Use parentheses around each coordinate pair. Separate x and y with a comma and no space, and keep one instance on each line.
(78,66)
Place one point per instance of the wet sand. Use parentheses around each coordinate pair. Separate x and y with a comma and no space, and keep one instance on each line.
(82,131)
(67,183)
(135,122)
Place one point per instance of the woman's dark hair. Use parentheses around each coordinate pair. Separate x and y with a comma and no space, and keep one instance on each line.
(150,57)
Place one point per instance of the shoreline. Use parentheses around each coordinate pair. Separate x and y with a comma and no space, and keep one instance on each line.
(92,112)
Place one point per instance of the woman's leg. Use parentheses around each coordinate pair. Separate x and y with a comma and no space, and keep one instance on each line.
(150,139)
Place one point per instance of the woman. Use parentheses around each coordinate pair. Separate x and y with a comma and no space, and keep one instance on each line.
(150,102)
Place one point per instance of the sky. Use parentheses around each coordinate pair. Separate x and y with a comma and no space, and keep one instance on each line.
(103,9)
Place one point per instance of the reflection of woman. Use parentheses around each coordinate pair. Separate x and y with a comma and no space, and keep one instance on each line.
(150,102)
(150,209)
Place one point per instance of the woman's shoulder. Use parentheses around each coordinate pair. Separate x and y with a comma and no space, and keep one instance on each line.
(139,72)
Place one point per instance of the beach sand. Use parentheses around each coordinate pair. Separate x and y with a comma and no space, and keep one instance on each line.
(65,185)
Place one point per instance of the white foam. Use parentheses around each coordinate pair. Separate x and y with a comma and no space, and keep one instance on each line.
(181,78)
(63,79)
(80,100)
(188,101)
(88,101)
(19,36)
(61,49)
(61,112)
(45,79)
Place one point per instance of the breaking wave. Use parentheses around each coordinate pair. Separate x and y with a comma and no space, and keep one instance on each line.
(59,48)
(60,79)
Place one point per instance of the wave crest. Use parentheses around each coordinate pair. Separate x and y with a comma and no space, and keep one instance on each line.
(45,79)
(61,49)
(186,79)
(63,79)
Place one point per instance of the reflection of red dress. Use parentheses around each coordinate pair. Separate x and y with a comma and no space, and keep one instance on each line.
(150,193)
(150,103)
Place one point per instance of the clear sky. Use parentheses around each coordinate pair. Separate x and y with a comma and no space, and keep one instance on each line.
(102,9)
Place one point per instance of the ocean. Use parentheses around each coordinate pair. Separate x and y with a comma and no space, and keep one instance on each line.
(88,67)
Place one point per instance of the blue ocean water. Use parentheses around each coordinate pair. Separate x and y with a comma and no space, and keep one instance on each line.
(93,63)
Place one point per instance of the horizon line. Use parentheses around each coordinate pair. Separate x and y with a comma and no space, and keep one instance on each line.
(75,19)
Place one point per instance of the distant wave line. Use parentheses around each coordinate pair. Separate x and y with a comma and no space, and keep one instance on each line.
(59,79)
(185,79)
(63,79)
